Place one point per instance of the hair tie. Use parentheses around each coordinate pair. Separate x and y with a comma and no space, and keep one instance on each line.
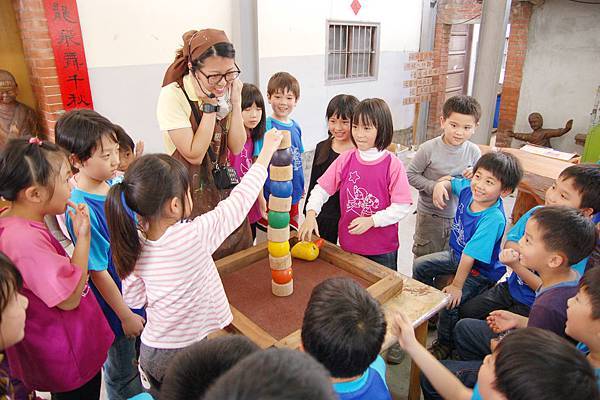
(128,209)
(35,140)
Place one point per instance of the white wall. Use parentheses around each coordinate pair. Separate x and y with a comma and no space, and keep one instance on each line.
(292,35)
(128,46)
(560,76)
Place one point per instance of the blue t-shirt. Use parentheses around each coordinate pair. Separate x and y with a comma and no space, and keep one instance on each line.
(371,385)
(297,149)
(478,234)
(517,288)
(100,257)
(585,350)
(476,395)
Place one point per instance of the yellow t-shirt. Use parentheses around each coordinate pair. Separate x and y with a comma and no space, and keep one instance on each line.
(173,110)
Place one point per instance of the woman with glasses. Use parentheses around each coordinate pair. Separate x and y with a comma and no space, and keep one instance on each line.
(199,113)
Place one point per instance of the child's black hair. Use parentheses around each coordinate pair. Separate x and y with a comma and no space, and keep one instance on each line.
(503,166)
(148,184)
(11,281)
(534,363)
(567,230)
(252,95)
(375,112)
(586,180)
(343,327)
(193,370)
(274,374)
(125,141)
(81,131)
(590,283)
(462,104)
(341,106)
(27,162)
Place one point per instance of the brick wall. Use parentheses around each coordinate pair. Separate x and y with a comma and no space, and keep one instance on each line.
(440,61)
(520,15)
(40,61)
(459,11)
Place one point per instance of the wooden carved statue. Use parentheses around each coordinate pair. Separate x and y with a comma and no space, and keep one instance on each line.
(16,119)
(540,136)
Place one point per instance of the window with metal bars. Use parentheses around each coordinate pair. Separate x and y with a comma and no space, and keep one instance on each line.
(352,51)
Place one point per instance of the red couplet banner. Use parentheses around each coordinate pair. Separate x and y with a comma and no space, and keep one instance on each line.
(67,44)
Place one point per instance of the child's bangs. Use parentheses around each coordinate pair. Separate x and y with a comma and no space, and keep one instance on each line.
(251,97)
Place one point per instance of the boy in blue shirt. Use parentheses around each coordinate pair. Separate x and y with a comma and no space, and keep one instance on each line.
(94,152)
(578,186)
(530,363)
(474,241)
(344,328)
(283,92)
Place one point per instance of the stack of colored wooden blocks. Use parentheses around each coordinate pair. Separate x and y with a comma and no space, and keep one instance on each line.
(278,231)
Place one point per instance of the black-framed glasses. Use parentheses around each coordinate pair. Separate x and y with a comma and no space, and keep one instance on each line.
(217,78)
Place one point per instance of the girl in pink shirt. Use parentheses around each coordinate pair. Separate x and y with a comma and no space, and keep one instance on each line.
(253,115)
(66,335)
(165,261)
(373,186)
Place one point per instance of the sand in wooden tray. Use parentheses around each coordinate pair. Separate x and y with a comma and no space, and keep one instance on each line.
(249,290)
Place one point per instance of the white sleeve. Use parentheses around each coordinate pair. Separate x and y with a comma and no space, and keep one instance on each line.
(391,215)
(318,197)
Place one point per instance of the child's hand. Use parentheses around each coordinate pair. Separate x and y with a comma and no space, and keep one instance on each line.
(402,328)
(133,325)
(262,205)
(271,143)
(501,320)
(455,296)
(80,217)
(440,195)
(139,149)
(360,225)
(468,173)
(236,92)
(308,226)
(509,257)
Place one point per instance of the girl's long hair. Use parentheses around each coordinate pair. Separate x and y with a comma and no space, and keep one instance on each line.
(149,183)
(343,106)
(252,95)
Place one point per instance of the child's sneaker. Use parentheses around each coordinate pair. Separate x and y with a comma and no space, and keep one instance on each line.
(440,351)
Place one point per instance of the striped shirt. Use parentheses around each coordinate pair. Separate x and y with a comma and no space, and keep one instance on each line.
(176,277)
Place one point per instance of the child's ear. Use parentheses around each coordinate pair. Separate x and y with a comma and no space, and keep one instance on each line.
(74,161)
(506,192)
(587,212)
(33,194)
(556,260)
(442,120)
(301,348)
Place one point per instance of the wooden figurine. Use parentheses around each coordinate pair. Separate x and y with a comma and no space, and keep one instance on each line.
(278,231)
(540,136)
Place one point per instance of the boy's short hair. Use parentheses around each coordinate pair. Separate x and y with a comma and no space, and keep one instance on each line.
(567,230)
(282,81)
(343,327)
(81,131)
(534,363)
(462,104)
(586,180)
(193,370)
(125,141)
(503,166)
(590,283)
(274,374)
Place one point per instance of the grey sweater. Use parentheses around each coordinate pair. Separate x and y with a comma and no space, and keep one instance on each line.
(433,160)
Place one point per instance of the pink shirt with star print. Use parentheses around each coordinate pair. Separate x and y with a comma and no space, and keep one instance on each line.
(367,187)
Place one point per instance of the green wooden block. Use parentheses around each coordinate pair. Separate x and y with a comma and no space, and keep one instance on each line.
(279,220)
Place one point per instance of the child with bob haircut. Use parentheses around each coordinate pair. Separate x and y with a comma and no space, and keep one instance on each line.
(373,187)
(128,151)
(284,375)
(34,177)
(450,154)
(165,260)
(343,329)
(339,123)
(527,364)
(577,186)
(475,239)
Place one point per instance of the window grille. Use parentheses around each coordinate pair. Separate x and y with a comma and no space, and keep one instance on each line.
(352,51)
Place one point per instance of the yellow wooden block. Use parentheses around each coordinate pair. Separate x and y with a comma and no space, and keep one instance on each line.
(282,174)
(282,290)
(278,249)
(278,235)
(286,141)
(280,263)
(280,204)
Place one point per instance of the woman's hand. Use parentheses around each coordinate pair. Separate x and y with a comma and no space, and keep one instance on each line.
(308,226)
(236,92)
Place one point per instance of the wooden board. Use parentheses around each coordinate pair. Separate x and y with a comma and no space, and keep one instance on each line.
(382,283)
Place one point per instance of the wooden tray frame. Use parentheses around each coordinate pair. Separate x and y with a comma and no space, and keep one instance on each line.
(385,284)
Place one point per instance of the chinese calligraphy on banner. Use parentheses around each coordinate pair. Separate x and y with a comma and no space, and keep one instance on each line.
(67,44)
